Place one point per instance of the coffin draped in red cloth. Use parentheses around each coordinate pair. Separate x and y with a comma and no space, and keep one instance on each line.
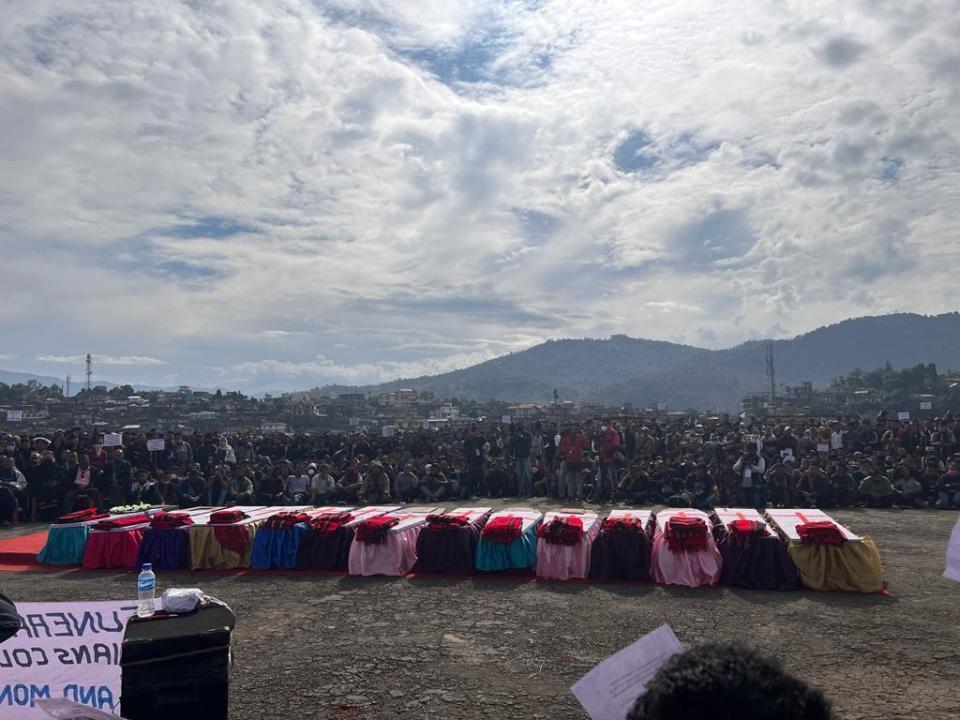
(82,516)
(742,532)
(503,529)
(562,530)
(227,517)
(821,533)
(374,531)
(622,525)
(122,522)
(233,537)
(285,520)
(170,521)
(447,522)
(686,534)
(329,523)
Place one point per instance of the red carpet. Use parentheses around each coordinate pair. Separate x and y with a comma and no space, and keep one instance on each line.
(23,549)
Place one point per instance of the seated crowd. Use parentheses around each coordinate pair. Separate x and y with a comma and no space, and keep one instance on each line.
(686,462)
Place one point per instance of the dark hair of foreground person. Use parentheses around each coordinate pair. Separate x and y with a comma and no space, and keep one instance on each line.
(717,682)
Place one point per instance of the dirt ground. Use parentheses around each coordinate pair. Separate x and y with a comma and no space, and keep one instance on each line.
(343,647)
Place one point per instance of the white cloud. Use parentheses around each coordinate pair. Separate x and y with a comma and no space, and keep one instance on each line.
(321,370)
(102,359)
(397,180)
(283,333)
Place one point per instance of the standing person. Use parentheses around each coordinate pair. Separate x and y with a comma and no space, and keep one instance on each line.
(751,468)
(475,460)
(607,444)
(520,444)
(573,443)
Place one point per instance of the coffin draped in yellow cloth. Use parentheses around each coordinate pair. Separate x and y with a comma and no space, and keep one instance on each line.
(206,552)
(853,566)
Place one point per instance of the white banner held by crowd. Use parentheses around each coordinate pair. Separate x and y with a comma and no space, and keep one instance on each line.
(112,440)
(14,415)
(63,650)
(156,445)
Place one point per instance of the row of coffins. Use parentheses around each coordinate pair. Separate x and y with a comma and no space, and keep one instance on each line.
(780,550)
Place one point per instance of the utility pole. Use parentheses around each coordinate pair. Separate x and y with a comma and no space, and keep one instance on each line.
(771,375)
(89,370)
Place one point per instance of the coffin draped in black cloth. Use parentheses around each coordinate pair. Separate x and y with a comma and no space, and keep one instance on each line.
(759,564)
(328,551)
(621,555)
(449,550)
(165,548)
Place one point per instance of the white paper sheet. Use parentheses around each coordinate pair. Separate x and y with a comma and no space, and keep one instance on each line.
(609,690)
(953,555)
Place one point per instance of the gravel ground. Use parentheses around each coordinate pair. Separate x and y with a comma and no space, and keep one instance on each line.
(342,647)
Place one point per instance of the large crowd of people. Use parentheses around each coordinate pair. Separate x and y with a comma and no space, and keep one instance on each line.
(683,462)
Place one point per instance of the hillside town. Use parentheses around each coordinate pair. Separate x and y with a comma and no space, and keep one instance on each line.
(920,392)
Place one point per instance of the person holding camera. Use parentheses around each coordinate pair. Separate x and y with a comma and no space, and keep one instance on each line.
(751,468)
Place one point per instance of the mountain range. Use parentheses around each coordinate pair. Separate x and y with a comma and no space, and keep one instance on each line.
(622,369)
(641,372)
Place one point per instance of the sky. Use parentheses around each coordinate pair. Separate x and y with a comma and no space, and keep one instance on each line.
(274,195)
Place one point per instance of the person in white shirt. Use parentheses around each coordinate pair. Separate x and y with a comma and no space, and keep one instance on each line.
(296,488)
(322,484)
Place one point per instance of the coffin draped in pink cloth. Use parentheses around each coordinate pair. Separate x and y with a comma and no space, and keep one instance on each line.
(562,562)
(692,569)
(396,555)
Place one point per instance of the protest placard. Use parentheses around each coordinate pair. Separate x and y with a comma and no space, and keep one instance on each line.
(389,430)
(926,405)
(14,415)
(156,445)
(112,440)
(903,416)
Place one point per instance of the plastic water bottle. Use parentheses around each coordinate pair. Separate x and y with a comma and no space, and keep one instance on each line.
(146,592)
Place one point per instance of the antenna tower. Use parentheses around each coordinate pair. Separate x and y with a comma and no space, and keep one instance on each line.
(771,373)
(89,370)
(67,393)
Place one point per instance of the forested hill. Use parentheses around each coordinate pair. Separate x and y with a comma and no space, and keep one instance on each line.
(623,369)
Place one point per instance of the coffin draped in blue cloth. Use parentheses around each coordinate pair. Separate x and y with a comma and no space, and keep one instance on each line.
(521,553)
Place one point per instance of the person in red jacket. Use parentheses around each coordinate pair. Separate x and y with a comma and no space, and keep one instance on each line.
(572,445)
(607,444)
